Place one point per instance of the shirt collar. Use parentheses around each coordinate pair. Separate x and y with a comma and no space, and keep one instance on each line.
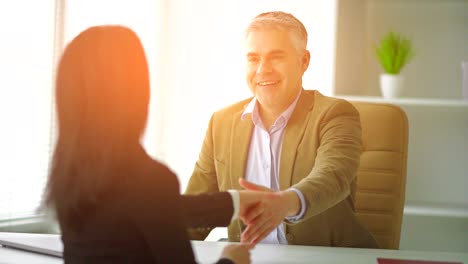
(252,109)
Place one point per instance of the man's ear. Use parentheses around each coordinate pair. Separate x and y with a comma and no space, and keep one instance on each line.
(305,60)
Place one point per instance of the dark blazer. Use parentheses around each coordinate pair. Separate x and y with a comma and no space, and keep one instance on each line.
(144,220)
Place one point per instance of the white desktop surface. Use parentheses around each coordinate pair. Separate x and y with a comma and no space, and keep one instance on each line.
(16,256)
(208,252)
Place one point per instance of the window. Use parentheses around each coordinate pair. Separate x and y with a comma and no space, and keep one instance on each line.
(26,65)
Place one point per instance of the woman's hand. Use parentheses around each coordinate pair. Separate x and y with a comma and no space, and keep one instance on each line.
(238,253)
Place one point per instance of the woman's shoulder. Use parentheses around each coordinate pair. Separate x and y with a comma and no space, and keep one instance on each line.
(150,172)
(152,167)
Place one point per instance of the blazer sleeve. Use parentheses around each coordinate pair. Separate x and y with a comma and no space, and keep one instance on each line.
(207,210)
(337,159)
(161,221)
(159,218)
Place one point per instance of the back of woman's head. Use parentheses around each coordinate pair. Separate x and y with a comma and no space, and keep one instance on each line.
(102,89)
(102,96)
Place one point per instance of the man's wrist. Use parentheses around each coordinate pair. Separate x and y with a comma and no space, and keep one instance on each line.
(293,202)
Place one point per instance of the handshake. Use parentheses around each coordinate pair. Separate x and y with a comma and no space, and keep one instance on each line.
(263,209)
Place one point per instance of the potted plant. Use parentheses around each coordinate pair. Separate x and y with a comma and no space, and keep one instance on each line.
(393,52)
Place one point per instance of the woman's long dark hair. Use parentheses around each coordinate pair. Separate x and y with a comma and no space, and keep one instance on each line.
(102,97)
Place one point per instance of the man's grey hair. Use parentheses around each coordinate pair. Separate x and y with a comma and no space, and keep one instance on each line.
(284,21)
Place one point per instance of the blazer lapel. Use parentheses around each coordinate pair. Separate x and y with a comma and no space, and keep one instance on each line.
(240,141)
(292,136)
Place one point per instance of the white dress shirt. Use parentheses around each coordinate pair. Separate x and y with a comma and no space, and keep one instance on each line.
(263,164)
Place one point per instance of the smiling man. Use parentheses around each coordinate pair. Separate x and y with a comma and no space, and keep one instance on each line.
(298,144)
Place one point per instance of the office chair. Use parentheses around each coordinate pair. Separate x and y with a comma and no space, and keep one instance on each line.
(381,177)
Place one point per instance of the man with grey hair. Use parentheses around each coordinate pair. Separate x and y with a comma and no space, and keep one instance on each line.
(298,144)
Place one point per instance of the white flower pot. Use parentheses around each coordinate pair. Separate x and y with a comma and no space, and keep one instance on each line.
(391,85)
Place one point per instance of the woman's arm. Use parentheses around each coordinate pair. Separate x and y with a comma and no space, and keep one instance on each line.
(207,210)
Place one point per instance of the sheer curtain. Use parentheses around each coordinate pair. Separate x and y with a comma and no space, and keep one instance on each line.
(26,66)
(33,36)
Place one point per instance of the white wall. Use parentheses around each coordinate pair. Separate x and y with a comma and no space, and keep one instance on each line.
(351,64)
(434,233)
(437,154)
(436,206)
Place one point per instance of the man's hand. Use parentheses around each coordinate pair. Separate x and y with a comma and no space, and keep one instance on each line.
(264,216)
(249,200)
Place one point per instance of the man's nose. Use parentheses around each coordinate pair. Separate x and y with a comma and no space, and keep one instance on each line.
(264,67)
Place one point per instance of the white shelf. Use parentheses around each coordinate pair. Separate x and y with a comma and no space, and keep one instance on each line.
(408,101)
(443,210)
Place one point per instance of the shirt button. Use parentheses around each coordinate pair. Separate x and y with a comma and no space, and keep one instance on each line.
(289,237)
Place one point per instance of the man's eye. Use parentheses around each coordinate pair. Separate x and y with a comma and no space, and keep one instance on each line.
(252,59)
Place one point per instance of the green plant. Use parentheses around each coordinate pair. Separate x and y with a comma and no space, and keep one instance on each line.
(393,52)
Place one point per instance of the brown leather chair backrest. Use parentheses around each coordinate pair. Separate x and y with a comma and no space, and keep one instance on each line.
(381,177)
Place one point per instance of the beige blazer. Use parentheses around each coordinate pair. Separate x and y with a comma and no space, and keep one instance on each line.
(320,156)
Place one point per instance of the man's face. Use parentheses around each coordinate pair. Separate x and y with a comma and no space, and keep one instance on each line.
(274,68)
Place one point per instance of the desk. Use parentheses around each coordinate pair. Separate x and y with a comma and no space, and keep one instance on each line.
(15,256)
(208,252)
